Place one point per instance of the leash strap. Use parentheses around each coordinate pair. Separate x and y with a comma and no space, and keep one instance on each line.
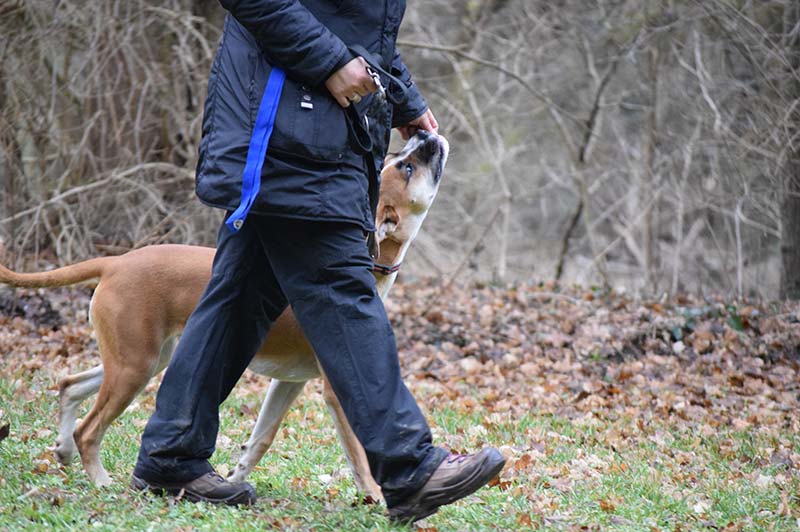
(395,93)
(358,131)
(257,151)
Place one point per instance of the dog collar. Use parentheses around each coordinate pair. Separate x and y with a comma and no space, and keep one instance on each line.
(383,269)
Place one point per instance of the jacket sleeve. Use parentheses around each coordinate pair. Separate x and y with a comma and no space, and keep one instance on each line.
(291,37)
(416,105)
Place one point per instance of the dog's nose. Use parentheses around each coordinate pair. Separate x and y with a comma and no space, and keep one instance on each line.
(423,135)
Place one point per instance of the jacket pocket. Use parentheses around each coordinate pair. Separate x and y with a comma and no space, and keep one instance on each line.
(309,124)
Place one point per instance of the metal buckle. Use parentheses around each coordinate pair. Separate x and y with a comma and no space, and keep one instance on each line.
(376,78)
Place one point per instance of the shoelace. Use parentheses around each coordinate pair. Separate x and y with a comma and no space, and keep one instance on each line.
(457,458)
(217,477)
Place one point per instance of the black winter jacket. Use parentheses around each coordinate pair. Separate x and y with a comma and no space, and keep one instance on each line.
(311,171)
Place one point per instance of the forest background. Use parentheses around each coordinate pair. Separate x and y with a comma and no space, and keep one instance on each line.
(638,144)
(646,146)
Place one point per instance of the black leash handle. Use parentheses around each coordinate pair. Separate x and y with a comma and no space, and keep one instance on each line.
(358,131)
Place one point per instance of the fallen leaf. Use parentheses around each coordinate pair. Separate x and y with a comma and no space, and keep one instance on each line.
(31,493)
(523,462)
(607,506)
(366,501)
(702,341)
(501,484)
(782,458)
(524,519)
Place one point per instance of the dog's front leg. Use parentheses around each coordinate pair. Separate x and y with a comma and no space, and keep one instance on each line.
(280,396)
(353,449)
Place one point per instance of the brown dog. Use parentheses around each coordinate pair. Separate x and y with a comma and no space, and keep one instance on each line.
(144,297)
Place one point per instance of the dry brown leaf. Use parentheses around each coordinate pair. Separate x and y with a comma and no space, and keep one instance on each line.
(503,485)
(524,520)
(785,508)
(607,506)
(703,341)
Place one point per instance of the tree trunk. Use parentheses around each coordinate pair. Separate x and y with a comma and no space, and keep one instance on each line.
(790,240)
(648,182)
(790,211)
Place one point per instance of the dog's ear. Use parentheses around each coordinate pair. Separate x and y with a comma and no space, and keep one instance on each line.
(388,221)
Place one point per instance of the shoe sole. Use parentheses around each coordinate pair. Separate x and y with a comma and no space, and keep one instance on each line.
(244,498)
(430,503)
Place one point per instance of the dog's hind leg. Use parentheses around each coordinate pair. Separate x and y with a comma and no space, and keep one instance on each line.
(125,375)
(353,449)
(280,396)
(116,393)
(73,390)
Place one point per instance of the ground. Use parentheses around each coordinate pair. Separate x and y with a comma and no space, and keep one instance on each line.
(614,413)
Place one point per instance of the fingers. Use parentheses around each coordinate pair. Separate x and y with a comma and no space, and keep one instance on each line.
(352,80)
(433,122)
(428,122)
(368,87)
(424,123)
(341,100)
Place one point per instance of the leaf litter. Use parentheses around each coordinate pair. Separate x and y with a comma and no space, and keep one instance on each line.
(623,372)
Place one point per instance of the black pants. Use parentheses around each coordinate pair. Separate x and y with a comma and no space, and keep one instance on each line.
(324,271)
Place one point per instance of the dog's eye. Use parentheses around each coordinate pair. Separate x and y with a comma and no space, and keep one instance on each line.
(409,171)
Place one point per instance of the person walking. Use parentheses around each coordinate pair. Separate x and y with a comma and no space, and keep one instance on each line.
(290,98)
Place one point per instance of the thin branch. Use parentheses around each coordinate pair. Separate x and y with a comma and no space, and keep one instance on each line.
(457,51)
(165,167)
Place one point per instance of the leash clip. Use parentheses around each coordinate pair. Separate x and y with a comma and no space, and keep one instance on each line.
(396,91)
(376,78)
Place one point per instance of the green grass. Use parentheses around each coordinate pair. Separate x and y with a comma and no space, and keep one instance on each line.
(607,475)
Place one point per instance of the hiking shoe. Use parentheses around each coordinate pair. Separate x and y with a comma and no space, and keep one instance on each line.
(210,487)
(456,477)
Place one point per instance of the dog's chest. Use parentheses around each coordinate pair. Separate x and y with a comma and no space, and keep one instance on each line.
(299,370)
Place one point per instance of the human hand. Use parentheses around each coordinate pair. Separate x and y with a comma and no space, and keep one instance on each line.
(351,82)
(427,122)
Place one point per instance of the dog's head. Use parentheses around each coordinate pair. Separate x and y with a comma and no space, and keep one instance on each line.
(409,182)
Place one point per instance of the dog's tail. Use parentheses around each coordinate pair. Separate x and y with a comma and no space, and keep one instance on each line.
(75,273)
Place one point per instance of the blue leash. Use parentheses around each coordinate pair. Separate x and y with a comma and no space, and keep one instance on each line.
(257,151)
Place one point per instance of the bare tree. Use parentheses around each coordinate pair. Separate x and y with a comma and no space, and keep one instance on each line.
(636,143)
(101,108)
(790,214)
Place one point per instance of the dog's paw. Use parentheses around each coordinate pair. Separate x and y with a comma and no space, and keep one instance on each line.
(239,474)
(65,453)
(102,480)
